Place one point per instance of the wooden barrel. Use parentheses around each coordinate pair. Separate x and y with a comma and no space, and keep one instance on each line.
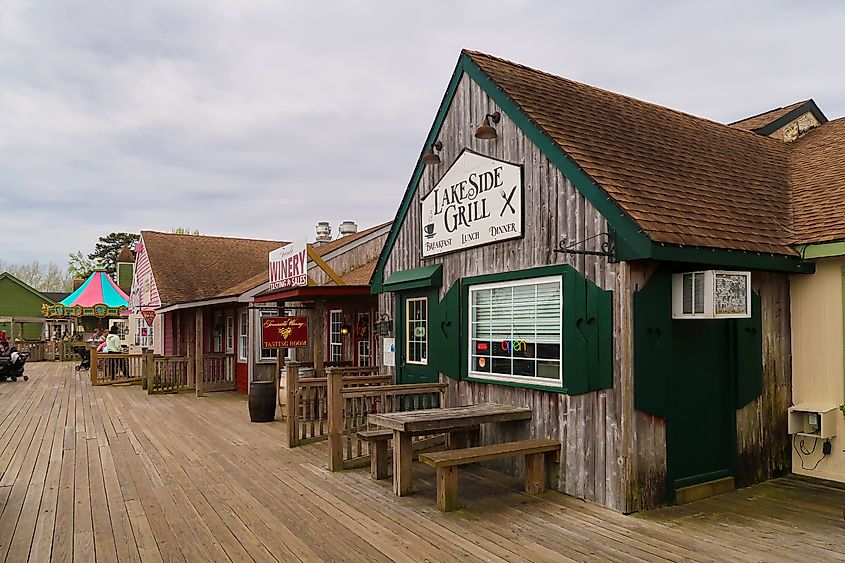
(262,401)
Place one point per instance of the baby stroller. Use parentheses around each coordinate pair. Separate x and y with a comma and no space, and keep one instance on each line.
(85,355)
(12,364)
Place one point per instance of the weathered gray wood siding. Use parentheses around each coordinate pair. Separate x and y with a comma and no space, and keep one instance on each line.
(349,260)
(761,426)
(589,426)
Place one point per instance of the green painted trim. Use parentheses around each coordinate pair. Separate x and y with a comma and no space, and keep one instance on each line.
(27,287)
(810,106)
(843,325)
(730,258)
(547,388)
(427,276)
(539,272)
(821,250)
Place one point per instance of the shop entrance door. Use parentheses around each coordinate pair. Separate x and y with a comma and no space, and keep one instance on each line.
(418,315)
(700,434)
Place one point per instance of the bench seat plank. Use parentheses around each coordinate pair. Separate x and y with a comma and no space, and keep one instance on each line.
(478,454)
(375,435)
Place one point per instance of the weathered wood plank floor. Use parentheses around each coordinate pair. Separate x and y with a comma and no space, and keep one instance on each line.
(112,474)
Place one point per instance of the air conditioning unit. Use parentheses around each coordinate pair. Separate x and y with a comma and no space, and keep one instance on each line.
(711,294)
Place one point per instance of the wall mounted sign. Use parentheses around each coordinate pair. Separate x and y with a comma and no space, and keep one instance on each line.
(284,332)
(289,266)
(149,316)
(389,355)
(478,201)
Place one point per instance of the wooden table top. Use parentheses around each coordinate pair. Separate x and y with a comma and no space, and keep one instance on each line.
(449,418)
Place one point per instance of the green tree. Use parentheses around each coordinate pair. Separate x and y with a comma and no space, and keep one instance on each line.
(185,231)
(109,246)
(43,277)
(79,266)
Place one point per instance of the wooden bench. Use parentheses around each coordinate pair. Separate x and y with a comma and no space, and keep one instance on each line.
(447,463)
(377,440)
(379,455)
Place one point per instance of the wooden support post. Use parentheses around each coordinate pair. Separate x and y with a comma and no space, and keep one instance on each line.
(458,439)
(318,331)
(535,473)
(278,378)
(149,370)
(291,383)
(334,398)
(92,369)
(402,458)
(378,461)
(447,488)
(199,372)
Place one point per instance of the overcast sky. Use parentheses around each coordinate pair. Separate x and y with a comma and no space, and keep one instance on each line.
(257,118)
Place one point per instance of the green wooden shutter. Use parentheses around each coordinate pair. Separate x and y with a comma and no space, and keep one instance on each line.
(749,355)
(448,351)
(653,345)
(588,335)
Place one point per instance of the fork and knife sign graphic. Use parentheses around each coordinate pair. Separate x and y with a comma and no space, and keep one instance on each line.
(508,198)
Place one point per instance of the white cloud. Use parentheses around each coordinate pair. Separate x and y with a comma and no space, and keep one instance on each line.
(258,118)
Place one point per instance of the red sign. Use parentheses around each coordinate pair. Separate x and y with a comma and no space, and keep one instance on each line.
(149,316)
(284,332)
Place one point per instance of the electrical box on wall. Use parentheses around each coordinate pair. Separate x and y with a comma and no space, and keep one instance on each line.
(813,420)
(711,294)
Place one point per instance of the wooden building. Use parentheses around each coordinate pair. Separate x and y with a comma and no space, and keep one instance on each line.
(817,416)
(619,267)
(195,290)
(336,300)
(20,309)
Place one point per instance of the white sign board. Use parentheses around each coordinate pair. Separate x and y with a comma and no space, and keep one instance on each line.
(289,266)
(389,352)
(478,201)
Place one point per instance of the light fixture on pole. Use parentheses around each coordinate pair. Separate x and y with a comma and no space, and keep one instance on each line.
(485,130)
(431,157)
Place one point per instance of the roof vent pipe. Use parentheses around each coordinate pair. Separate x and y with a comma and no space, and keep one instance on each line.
(347,228)
(324,231)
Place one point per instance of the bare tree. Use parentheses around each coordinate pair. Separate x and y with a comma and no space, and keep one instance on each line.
(43,277)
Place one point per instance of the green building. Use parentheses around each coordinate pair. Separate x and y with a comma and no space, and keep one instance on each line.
(20,305)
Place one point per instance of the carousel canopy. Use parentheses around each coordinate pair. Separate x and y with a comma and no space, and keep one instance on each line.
(99,296)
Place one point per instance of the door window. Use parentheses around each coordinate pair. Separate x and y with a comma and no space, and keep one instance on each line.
(416,330)
(335,336)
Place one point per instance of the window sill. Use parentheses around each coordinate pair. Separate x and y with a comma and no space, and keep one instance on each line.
(552,388)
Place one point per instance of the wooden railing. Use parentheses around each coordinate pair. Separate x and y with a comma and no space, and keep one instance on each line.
(349,407)
(306,399)
(169,374)
(218,373)
(38,351)
(107,369)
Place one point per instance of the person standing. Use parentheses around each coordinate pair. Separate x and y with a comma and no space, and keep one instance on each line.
(113,347)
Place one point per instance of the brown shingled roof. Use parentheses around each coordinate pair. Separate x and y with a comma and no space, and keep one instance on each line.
(360,275)
(125,255)
(762,119)
(818,179)
(685,180)
(196,267)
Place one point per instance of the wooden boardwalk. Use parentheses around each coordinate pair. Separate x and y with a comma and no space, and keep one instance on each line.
(113,474)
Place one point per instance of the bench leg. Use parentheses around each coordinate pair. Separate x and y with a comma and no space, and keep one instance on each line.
(447,488)
(457,439)
(378,459)
(535,473)
(402,459)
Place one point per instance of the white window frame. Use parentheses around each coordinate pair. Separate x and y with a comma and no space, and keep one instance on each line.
(217,338)
(264,355)
(521,379)
(230,334)
(335,346)
(407,344)
(243,336)
(367,341)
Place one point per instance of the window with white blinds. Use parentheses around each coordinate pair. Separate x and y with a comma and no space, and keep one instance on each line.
(515,330)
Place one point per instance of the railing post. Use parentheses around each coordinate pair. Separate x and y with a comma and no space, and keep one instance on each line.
(92,369)
(334,398)
(148,366)
(199,374)
(291,383)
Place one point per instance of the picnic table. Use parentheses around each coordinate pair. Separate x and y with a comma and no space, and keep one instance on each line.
(457,420)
